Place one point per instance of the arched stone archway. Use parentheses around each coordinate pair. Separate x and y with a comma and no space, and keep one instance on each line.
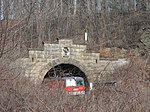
(66,70)
(58,62)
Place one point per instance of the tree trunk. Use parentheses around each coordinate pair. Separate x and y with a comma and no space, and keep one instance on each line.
(75,7)
(5,9)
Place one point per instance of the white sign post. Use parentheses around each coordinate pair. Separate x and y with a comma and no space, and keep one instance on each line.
(85,37)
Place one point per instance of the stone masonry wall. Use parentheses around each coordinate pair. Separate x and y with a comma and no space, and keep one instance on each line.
(40,62)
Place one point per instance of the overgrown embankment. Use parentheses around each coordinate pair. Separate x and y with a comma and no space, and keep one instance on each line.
(131,93)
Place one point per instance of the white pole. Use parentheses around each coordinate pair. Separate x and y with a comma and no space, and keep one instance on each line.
(85,37)
(91,86)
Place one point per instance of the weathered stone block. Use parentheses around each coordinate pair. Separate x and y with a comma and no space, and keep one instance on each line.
(55,62)
(81,47)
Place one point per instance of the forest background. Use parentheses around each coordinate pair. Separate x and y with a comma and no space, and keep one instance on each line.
(28,24)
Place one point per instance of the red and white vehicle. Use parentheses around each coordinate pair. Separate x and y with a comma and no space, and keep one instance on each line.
(74,85)
(71,85)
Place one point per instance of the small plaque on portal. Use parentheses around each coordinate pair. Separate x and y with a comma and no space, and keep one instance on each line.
(65,52)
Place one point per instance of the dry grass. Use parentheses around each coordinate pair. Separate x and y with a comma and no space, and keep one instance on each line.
(130,94)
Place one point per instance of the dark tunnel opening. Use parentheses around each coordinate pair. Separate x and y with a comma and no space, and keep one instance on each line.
(66,70)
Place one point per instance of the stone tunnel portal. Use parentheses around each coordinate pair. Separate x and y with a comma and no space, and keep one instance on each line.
(66,70)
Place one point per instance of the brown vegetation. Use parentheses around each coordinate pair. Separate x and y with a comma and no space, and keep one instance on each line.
(113,52)
(27,24)
(131,93)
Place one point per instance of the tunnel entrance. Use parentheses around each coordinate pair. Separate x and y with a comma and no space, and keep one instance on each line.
(66,70)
